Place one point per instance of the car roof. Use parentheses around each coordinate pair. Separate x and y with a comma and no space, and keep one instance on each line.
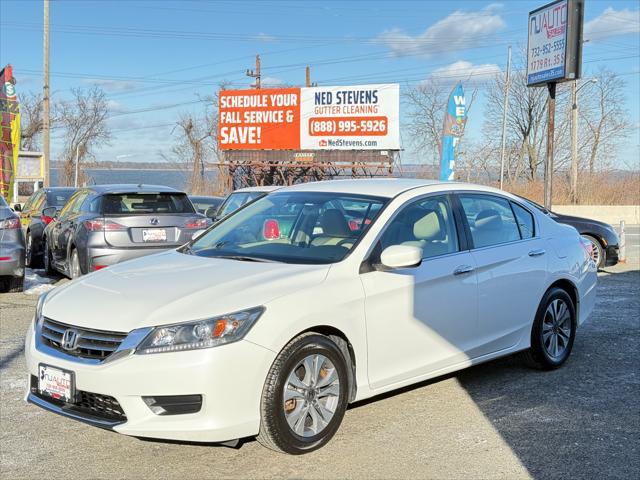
(132,188)
(264,188)
(379,187)
(205,197)
(58,189)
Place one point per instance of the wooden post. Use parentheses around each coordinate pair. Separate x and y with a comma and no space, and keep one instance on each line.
(548,168)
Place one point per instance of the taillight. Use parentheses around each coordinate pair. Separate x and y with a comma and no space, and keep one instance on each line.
(196,223)
(98,267)
(46,219)
(271,229)
(354,225)
(103,225)
(10,223)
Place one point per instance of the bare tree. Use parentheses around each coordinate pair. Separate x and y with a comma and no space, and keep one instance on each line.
(84,119)
(606,120)
(426,106)
(31,120)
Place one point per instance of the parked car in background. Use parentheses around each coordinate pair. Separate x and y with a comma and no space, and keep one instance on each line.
(250,330)
(34,221)
(241,197)
(11,250)
(103,225)
(208,206)
(602,238)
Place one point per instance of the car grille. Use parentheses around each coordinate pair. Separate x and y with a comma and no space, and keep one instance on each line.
(86,403)
(92,344)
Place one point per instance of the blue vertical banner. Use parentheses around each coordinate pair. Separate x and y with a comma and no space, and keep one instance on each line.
(455,119)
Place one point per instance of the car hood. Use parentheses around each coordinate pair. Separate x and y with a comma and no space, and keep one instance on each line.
(172,287)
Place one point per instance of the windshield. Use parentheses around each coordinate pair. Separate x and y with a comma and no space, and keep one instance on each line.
(57,198)
(145,203)
(237,200)
(296,227)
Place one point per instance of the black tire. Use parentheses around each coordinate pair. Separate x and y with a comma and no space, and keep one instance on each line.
(31,260)
(48,267)
(15,284)
(598,249)
(275,432)
(538,355)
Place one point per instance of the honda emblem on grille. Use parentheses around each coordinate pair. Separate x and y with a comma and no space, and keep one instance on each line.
(70,339)
(154,221)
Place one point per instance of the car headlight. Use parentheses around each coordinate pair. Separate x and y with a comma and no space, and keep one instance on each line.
(38,316)
(206,333)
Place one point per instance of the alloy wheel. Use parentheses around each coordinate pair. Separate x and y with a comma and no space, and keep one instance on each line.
(311,395)
(556,328)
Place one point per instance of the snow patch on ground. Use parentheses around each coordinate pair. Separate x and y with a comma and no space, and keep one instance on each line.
(35,282)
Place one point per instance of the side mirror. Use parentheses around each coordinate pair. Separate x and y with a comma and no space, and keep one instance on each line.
(211,213)
(198,233)
(401,256)
(51,212)
(17,207)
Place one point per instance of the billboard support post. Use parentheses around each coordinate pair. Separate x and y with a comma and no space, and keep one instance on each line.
(505,108)
(548,168)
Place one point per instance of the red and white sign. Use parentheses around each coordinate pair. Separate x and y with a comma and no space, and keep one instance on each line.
(364,117)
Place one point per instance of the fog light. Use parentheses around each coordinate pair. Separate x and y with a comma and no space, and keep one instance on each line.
(174,404)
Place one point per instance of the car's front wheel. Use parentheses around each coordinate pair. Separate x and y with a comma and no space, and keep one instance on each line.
(305,395)
(553,332)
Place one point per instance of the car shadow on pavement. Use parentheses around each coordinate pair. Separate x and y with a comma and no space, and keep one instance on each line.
(584,417)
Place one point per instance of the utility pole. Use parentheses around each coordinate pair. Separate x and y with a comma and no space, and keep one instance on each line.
(574,142)
(255,73)
(308,72)
(45,95)
(505,107)
(548,168)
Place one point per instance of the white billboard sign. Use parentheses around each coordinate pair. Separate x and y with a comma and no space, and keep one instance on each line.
(362,117)
(547,45)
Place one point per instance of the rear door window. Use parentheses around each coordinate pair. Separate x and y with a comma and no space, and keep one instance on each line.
(490,220)
(525,221)
(146,203)
(57,198)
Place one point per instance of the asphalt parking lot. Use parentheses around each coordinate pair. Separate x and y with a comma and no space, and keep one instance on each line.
(497,420)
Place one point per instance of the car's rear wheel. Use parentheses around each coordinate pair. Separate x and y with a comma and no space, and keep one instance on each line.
(305,395)
(16,284)
(553,332)
(31,260)
(74,264)
(598,254)
(48,267)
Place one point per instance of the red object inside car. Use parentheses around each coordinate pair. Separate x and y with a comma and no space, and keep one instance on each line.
(271,229)
(46,219)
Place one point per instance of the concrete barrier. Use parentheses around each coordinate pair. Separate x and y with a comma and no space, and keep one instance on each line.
(611,214)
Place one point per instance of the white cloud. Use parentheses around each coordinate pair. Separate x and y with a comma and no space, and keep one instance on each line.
(271,82)
(465,72)
(265,37)
(459,31)
(112,85)
(612,23)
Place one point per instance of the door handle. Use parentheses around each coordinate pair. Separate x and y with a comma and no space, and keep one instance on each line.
(462,269)
(537,253)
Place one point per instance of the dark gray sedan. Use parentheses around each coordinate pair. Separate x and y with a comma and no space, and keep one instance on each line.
(103,225)
(11,250)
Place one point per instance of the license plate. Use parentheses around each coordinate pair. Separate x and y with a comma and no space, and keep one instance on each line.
(56,383)
(154,235)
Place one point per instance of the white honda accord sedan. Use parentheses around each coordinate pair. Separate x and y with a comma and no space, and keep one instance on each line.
(304,301)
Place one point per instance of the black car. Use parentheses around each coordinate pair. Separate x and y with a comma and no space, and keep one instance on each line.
(34,221)
(602,237)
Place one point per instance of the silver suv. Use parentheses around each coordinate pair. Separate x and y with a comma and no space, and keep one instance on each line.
(11,250)
(103,225)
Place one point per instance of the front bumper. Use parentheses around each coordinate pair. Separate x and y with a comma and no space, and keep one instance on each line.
(230,379)
(611,255)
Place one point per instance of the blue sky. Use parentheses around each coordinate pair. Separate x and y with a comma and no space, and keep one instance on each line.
(152,54)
